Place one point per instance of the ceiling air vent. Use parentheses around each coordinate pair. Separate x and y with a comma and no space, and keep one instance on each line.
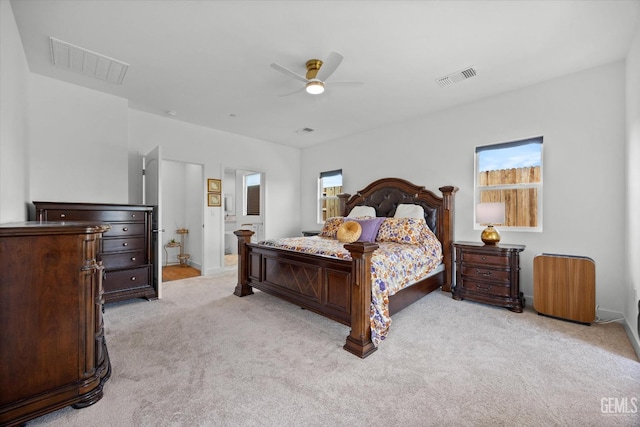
(305,130)
(86,62)
(456,77)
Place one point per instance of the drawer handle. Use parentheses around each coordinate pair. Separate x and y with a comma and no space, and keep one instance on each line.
(63,215)
(125,244)
(484,258)
(133,278)
(483,273)
(484,288)
(133,215)
(125,229)
(133,258)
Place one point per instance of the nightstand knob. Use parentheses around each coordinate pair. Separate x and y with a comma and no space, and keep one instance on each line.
(125,244)
(125,229)
(133,258)
(133,278)
(483,273)
(484,258)
(63,215)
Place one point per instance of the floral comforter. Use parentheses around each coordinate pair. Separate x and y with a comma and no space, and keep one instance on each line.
(393,267)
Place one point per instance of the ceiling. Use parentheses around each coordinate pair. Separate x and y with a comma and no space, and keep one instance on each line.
(209,61)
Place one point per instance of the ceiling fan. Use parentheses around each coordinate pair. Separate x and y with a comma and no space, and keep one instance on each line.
(317,74)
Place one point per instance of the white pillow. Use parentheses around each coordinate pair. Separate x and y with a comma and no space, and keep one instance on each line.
(409,211)
(360,211)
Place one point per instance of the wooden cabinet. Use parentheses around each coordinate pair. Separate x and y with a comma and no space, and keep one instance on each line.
(52,344)
(126,250)
(489,274)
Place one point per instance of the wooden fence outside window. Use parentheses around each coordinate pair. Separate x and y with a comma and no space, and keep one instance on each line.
(521,201)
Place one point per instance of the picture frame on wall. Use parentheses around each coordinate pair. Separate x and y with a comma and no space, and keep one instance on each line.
(214,199)
(214,185)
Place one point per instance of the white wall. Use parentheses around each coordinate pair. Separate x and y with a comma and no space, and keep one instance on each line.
(14,89)
(78,144)
(581,117)
(216,150)
(632,291)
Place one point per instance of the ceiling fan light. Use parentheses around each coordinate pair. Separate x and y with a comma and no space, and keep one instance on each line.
(315,87)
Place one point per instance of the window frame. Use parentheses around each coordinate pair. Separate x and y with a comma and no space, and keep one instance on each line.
(322,197)
(517,186)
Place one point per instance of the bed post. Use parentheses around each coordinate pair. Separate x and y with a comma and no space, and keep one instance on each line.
(343,197)
(359,340)
(243,288)
(448,235)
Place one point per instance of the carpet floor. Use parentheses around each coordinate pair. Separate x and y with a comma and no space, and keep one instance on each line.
(201,356)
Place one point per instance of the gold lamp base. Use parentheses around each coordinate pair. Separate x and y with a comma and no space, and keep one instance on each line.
(490,236)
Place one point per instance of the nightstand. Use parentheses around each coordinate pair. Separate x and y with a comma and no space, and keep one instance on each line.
(307,233)
(489,274)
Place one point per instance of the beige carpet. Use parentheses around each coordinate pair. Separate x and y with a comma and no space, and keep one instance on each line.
(204,357)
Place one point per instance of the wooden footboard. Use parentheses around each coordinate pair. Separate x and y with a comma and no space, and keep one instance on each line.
(341,289)
(335,288)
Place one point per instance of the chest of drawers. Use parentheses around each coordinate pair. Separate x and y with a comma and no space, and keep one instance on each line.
(489,274)
(126,251)
(52,344)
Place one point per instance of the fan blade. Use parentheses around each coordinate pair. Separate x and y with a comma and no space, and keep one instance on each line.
(288,72)
(329,66)
(345,83)
(294,92)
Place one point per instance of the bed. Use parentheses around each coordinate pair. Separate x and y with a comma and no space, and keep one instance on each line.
(341,288)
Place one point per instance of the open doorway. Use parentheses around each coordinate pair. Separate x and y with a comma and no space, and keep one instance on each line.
(182,219)
(244,207)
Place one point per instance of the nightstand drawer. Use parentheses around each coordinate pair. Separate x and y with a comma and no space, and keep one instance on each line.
(484,259)
(486,273)
(486,288)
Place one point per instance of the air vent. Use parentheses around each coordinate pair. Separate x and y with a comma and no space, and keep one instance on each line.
(456,77)
(86,62)
(305,130)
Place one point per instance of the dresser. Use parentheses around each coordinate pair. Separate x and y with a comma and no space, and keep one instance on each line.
(126,251)
(488,274)
(52,345)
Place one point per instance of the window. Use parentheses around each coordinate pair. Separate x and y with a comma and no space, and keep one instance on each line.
(330,185)
(511,173)
(252,194)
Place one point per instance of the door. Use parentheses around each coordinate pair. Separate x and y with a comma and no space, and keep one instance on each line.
(152,195)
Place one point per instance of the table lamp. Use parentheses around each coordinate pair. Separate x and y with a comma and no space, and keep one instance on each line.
(489,214)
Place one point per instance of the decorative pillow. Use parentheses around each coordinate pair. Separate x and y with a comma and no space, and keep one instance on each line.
(330,227)
(349,232)
(412,231)
(369,228)
(409,211)
(362,211)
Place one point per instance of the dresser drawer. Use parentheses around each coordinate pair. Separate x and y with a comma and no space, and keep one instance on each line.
(486,288)
(478,258)
(123,259)
(124,244)
(92,215)
(126,229)
(486,273)
(126,279)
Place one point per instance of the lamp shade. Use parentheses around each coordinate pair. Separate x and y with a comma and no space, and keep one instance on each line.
(490,213)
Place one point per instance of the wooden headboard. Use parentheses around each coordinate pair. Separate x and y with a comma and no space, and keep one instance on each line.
(385,194)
